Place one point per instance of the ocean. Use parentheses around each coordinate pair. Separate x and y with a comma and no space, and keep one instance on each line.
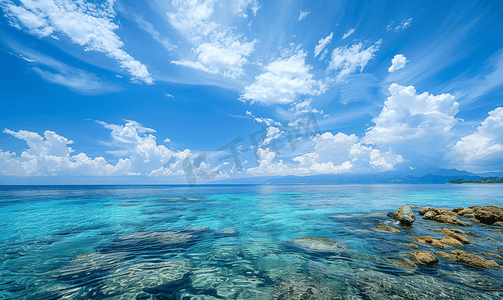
(235,242)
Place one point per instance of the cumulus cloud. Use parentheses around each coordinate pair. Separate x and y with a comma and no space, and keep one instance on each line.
(217,50)
(403,25)
(332,154)
(398,62)
(346,60)
(322,44)
(418,126)
(87,24)
(347,34)
(483,149)
(283,80)
(51,155)
(303,14)
(240,7)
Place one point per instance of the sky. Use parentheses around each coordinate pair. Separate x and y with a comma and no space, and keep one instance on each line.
(177,92)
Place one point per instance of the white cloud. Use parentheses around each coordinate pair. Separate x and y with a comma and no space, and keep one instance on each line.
(169,95)
(483,149)
(403,25)
(240,6)
(283,80)
(303,14)
(217,50)
(398,62)
(50,155)
(322,44)
(418,126)
(303,106)
(77,80)
(156,35)
(87,24)
(267,121)
(347,34)
(332,154)
(346,60)
(322,56)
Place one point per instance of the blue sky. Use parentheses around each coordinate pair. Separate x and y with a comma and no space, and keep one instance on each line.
(126,92)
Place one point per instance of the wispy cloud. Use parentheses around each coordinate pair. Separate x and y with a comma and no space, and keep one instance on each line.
(347,34)
(322,44)
(57,72)
(87,24)
(403,25)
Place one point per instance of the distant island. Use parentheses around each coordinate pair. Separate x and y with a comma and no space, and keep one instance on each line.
(480,180)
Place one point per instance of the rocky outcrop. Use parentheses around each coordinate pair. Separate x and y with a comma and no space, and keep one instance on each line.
(491,254)
(471,260)
(424,257)
(387,228)
(428,240)
(405,215)
(451,241)
(441,215)
(412,245)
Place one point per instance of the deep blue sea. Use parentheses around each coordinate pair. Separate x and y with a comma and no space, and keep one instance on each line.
(234,242)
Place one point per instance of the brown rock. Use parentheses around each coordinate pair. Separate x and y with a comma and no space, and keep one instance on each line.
(458,237)
(473,260)
(465,211)
(457,209)
(444,231)
(387,228)
(428,240)
(429,215)
(458,230)
(412,245)
(494,230)
(425,209)
(424,258)
(405,263)
(499,223)
(489,214)
(499,249)
(491,254)
(442,254)
(451,241)
(450,220)
(473,234)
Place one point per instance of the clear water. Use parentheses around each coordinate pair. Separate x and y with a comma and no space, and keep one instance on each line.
(232,242)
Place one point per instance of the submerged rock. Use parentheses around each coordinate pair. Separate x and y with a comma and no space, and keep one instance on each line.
(387,228)
(424,257)
(405,215)
(412,245)
(428,240)
(491,254)
(322,245)
(391,215)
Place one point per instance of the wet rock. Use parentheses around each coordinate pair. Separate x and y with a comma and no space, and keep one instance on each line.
(465,211)
(473,260)
(387,228)
(450,220)
(424,257)
(426,209)
(494,230)
(405,263)
(489,214)
(491,254)
(320,245)
(405,215)
(442,254)
(472,234)
(451,241)
(428,240)
(391,215)
(499,249)
(412,245)
(143,297)
(429,215)
(457,209)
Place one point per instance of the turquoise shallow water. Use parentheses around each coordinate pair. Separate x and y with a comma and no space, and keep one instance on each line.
(232,242)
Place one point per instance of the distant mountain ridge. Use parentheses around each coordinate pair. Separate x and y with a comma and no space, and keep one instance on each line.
(431,175)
